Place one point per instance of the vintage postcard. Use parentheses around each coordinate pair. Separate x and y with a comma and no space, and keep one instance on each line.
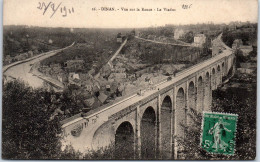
(129,79)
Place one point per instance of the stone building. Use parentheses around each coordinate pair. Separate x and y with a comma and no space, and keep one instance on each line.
(178,33)
(199,40)
(119,38)
(117,76)
(73,76)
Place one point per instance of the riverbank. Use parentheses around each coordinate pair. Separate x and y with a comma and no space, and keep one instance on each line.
(57,85)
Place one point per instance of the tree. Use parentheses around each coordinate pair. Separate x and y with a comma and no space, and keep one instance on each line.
(188,37)
(206,46)
(27,131)
(240,57)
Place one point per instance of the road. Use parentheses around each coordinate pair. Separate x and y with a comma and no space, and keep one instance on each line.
(118,51)
(222,43)
(21,70)
(109,62)
(173,44)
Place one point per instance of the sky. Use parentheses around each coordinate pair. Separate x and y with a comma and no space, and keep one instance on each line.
(85,13)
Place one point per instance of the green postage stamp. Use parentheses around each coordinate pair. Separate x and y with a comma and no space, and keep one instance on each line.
(219,133)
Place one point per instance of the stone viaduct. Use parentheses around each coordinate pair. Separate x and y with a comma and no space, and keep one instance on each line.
(145,126)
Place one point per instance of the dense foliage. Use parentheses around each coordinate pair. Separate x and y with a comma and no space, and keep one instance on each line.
(247,36)
(27,131)
(30,130)
(20,39)
(188,37)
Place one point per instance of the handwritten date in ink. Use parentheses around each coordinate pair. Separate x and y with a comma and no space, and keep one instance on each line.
(184,6)
(53,8)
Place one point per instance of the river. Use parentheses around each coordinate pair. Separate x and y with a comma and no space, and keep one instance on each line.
(22,71)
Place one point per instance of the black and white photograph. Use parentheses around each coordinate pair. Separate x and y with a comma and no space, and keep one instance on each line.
(129,79)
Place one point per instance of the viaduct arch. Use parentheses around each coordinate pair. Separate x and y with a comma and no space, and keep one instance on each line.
(191,102)
(200,95)
(207,92)
(166,113)
(148,134)
(213,79)
(124,141)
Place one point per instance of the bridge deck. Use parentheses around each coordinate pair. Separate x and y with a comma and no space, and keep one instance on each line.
(136,98)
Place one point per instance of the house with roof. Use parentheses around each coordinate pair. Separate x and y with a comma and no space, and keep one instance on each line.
(246,49)
(74,79)
(56,68)
(73,76)
(118,64)
(75,82)
(119,38)
(21,56)
(96,104)
(199,40)
(106,69)
(178,33)
(74,64)
(245,70)
(102,97)
(248,65)
(85,76)
(7,59)
(62,77)
(89,102)
(237,43)
(117,76)
(131,76)
(57,112)
(120,70)
(88,85)
(30,53)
